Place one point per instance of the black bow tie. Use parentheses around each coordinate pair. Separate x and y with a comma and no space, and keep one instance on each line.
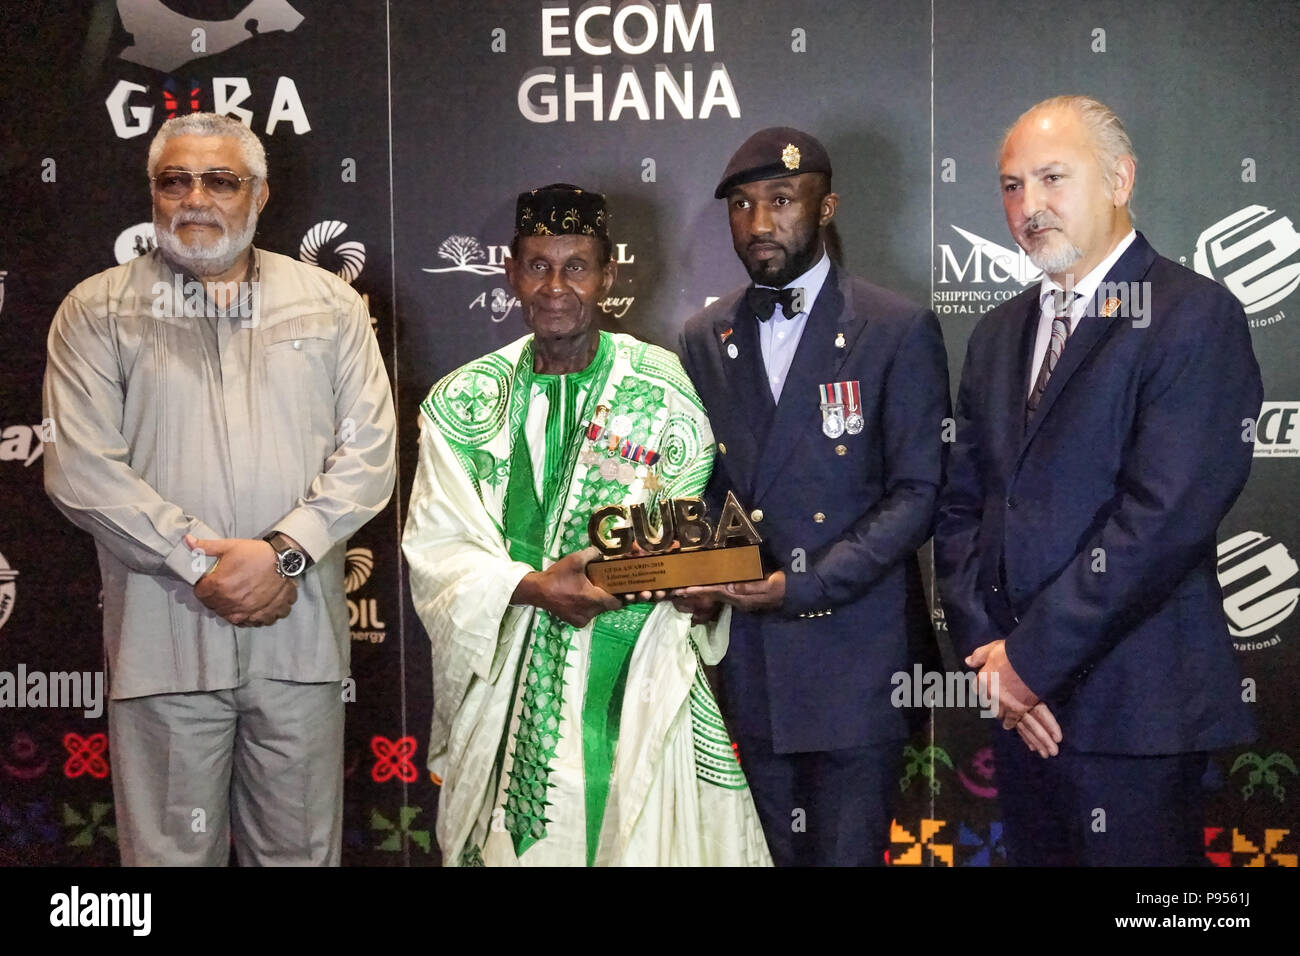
(763,301)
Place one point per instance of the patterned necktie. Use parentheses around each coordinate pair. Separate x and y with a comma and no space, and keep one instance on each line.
(1061,306)
(763,301)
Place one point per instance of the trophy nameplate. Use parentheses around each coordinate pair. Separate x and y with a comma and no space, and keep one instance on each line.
(688,549)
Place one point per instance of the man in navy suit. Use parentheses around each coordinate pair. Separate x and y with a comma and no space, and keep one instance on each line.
(1100,442)
(827,397)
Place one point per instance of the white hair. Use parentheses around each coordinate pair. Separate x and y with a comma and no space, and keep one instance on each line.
(1110,141)
(213,124)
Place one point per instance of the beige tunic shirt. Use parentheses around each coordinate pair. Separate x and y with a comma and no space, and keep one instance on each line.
(275,417)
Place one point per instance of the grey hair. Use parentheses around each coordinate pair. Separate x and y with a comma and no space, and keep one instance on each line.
(1110,141)
(212,124)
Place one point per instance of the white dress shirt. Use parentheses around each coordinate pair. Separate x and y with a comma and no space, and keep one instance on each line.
(779,336)
(1084,289)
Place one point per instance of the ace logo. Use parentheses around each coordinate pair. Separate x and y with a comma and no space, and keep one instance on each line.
(1278,433)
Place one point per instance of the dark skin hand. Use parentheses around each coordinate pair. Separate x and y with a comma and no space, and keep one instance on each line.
(564,590)
(244,586)
(703,603)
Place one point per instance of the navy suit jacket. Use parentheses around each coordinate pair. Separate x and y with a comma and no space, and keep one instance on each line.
(815,675)
(1087,538)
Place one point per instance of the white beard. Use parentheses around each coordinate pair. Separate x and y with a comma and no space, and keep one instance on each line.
(1055,259)
(198,258)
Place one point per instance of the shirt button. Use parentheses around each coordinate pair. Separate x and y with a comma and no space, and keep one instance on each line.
(297,344)
(819,517)
(722,447)
(756,514)
(841,450)
(1011,503)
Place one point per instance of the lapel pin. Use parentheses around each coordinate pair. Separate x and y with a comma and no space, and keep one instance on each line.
(1110,307)
(839,340)
(726,334)
(732,351)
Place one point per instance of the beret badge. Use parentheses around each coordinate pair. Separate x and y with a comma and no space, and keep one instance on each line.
(790,156)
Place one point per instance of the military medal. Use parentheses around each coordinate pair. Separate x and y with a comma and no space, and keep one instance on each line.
(832,405)
(626,473)
(853,420)
(609,469)
(588,457)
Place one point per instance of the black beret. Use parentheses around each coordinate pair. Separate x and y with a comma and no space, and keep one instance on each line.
(774,153)
(561,210)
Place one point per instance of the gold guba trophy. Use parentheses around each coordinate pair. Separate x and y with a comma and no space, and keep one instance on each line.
(686,550)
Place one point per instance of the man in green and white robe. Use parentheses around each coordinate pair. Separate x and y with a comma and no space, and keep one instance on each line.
(559,744)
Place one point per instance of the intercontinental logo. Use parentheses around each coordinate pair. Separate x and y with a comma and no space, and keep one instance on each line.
(468,254)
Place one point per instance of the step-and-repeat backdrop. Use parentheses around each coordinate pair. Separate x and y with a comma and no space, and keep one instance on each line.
(398,135)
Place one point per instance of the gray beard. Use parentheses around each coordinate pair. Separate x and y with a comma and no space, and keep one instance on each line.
(200,259)
(1058,261)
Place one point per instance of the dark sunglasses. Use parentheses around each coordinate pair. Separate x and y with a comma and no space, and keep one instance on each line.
(177,183)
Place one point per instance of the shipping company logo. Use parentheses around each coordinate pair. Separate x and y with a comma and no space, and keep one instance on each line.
(319,249)
(164,39)
(976,263)
(468,255)
(363,613)
(2,289)
(8,590)
(1252,571)
(137,240)
(1253,254)
(1277,433)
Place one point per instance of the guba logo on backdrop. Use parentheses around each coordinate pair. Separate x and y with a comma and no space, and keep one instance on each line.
(974,265)
(165,40)
(1253,571)
(1253,254)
